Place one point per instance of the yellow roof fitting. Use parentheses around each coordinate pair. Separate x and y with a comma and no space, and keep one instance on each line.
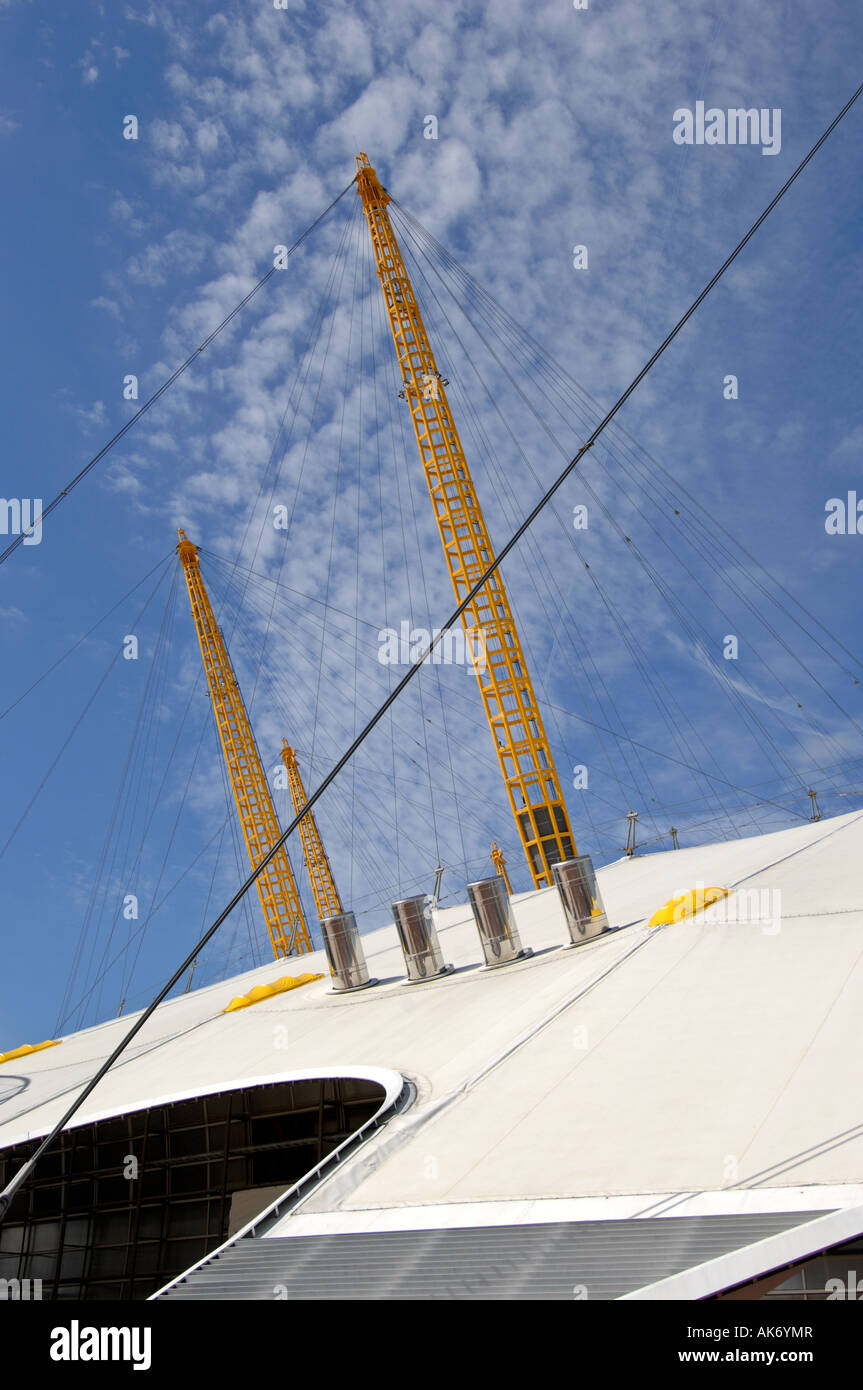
(686,905)
(27,1049)
(260,992)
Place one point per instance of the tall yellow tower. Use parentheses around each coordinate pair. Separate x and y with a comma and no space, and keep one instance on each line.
(280,900)
(324,890)
(511,707)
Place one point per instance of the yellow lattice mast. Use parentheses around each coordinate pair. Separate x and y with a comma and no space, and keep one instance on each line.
(280,901)
(510,703)
(324,890)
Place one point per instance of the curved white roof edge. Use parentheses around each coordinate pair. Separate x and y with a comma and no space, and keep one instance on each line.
(394,1085)
(391,1081)
(756,1260)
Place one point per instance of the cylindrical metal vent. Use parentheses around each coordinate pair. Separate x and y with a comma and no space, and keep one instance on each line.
(345,952)
(422,952)
(495,921)
(583,908)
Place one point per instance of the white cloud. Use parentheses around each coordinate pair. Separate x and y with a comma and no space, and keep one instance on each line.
(179,252)
(847,455)
(554,128)
(169,138)
(95,416)
(89,70)
(377,122)
(207,136)
(128,213)
(109,305)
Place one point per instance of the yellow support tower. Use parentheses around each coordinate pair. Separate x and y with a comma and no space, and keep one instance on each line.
(510,704)
(280,900)
(324,890)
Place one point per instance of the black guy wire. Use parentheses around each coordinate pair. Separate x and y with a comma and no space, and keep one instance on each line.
(46,511)
(12,1186)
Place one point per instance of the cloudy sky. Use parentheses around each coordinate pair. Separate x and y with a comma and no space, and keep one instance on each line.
(553,130)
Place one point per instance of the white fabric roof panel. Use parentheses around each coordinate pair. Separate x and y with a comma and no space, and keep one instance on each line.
(646,1062)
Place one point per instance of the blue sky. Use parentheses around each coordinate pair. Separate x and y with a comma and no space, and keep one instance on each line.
(554,130)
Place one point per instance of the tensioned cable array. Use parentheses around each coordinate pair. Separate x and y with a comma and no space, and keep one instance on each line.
(795,718)
(554,384)
(122,869)
(19,1177)
(256,594)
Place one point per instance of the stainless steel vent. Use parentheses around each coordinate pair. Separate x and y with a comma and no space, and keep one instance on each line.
(345,953)
(575,880)
(423,957)
(495,922)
